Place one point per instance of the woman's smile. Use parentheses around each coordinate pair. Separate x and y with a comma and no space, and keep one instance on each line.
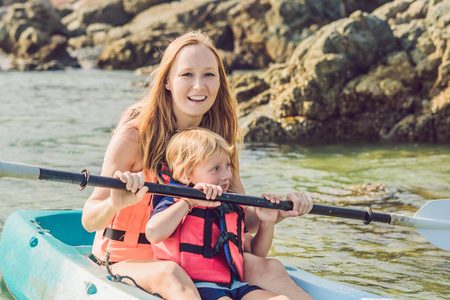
(197,98)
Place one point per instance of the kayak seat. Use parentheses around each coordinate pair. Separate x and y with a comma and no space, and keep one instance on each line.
(55,224)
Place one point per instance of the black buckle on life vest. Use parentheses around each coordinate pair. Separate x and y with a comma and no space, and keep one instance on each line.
(223,209)
(223,238)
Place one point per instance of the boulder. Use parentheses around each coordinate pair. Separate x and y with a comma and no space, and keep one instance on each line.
(365,77)
(34,34)
(95,11)
(134,7)
(321,70)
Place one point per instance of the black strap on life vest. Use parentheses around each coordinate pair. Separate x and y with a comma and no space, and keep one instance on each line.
(119,235)
(210,215)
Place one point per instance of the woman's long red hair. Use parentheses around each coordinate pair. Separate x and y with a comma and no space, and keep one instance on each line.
(156,120)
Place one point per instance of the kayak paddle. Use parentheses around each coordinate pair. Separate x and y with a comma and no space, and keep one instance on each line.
(432,221)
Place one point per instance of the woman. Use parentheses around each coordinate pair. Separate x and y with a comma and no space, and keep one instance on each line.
(190,89)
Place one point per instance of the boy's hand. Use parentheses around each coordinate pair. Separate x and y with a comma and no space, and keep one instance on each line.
(211,191)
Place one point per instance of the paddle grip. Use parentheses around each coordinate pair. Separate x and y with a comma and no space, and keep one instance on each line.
(349,213)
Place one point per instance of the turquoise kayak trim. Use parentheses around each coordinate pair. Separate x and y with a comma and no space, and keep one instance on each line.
(44,254)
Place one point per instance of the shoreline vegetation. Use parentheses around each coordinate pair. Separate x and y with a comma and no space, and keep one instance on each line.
(303,71)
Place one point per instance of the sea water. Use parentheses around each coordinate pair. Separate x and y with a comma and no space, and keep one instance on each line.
(63,120)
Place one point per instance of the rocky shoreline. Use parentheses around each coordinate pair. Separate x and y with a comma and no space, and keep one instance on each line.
(303,71)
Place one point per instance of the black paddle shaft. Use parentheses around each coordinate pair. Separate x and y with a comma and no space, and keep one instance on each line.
(83,179)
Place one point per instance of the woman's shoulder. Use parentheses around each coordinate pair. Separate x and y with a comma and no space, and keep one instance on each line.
(131,114)
(123,150)
(127,131)
(134,110)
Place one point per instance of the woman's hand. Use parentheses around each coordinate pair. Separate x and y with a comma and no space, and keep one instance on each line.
(268,214)
(135,189)
(302,204)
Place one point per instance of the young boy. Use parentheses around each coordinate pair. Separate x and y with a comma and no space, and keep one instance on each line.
(207,238)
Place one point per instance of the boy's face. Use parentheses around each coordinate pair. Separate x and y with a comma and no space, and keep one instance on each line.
(216,170)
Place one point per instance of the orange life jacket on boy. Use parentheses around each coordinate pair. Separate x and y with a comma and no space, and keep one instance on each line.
(208,244)
(124,238)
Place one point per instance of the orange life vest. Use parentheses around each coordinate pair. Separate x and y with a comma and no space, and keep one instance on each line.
(125,237)
(208,244)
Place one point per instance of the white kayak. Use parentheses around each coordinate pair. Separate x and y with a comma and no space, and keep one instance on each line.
(44,255)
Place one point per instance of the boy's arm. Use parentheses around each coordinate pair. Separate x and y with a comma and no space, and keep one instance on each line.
(161,225)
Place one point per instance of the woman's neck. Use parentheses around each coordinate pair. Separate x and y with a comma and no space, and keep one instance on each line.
(183,124)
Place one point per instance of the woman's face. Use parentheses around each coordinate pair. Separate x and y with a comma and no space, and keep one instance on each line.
(193,82)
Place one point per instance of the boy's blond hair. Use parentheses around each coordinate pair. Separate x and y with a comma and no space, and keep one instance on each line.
(191,146)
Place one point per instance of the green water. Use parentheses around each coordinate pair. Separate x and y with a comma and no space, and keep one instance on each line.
(63,120)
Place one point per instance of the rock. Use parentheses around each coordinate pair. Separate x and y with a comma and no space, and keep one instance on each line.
(408,33)
(412,128)
(137,43)
(34,34)
(355,79)
(322,70)
(392,9)
(264,129)
(369,6)
(134,7)
(245,108)
(439,14)
(37,14)
(440,109)
(387,87)
(248,86)
(332,58)
(131,53)
(51,56)
(96,11)
(10,2)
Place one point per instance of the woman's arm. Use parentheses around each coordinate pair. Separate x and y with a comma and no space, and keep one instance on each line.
(122,154)
(302,204)
(251,220)
(261,242)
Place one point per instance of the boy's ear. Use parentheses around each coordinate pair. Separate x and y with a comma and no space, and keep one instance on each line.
(185,179)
